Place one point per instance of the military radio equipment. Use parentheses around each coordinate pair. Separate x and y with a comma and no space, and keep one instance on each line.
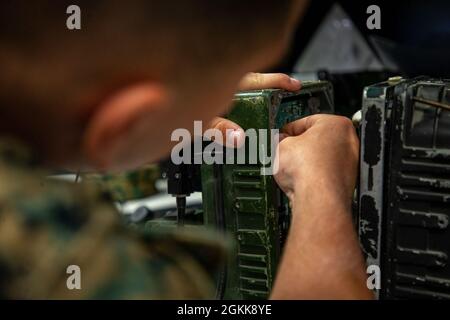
(239,197)
(247,204)
(182,181)
(404,194)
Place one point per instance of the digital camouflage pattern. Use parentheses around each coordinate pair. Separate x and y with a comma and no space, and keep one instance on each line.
(46,226)
(136,184)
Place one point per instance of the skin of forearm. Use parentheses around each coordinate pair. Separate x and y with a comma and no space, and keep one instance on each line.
(322,258)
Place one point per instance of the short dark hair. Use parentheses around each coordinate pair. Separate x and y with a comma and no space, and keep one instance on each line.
(191,28)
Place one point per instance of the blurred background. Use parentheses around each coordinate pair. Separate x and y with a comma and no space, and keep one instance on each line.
(333,43)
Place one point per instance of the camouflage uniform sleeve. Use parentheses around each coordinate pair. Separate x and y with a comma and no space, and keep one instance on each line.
(46,229)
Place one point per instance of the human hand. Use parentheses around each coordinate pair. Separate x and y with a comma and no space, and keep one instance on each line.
(318,160)
(252,81)
(320,151)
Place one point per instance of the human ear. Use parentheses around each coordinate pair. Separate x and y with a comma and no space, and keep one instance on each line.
(113,120)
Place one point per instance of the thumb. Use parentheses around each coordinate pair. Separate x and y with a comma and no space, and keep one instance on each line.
(299,127)
(234,135)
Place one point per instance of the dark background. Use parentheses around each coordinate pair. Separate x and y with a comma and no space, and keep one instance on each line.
(419,28)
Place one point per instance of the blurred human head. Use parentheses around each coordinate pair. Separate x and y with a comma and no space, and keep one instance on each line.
(109,95)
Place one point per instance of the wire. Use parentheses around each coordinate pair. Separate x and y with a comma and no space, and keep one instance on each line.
(77,177)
